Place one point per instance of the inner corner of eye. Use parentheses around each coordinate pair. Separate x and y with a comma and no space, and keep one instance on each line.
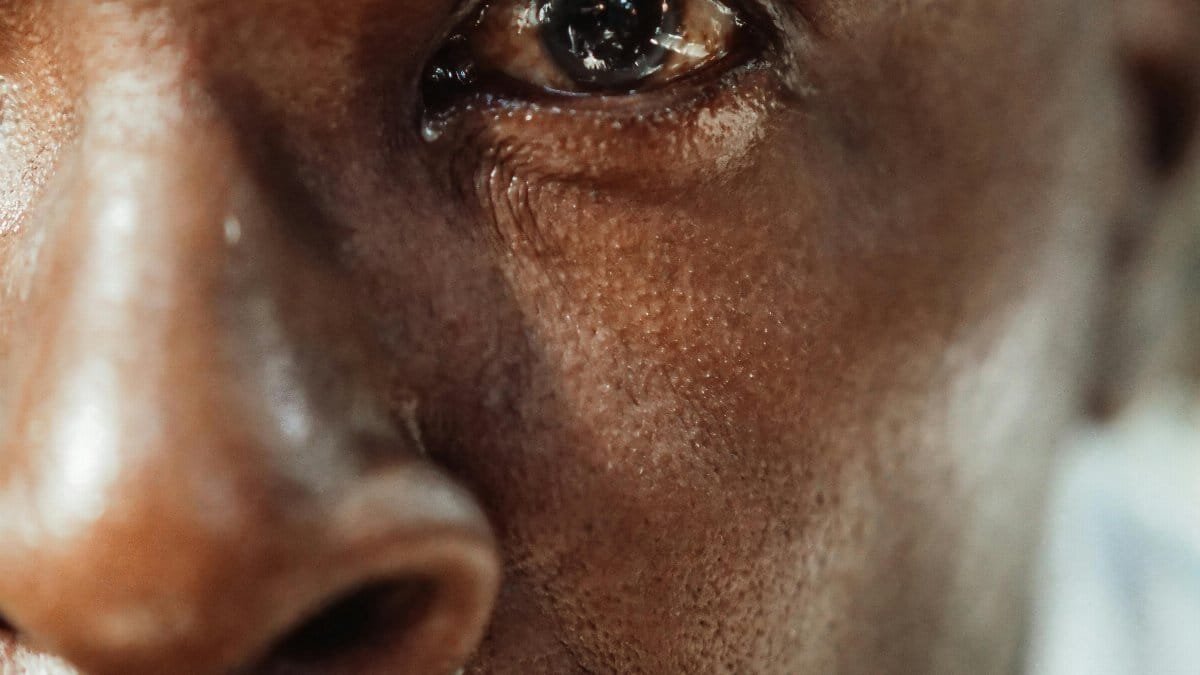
(582,46)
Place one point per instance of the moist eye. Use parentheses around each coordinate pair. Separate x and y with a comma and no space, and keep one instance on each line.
(608,44)
(616,57)
(520,49)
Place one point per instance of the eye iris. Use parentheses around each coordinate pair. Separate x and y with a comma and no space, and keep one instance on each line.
(608,44)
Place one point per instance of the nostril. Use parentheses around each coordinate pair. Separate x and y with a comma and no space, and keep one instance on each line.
(355,628)
(8,632)
(8,639)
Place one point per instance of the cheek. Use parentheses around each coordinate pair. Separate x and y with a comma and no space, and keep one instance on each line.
(674,436)
(732,383)
(656,323)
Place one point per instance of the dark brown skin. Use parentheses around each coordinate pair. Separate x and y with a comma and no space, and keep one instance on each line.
(766,384)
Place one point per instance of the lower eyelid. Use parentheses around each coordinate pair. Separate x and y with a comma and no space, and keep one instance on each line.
(661,147)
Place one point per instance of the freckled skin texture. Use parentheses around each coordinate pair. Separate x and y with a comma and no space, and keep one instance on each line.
(761,375)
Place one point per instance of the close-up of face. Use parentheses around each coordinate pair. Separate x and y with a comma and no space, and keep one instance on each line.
(557,336)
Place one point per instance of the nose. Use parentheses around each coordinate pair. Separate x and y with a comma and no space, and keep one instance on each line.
(198,469)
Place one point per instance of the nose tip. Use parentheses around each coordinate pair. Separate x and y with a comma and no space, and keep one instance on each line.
(397,575)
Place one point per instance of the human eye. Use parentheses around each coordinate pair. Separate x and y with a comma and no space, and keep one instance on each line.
(539,50)
(588,46)
(610,91)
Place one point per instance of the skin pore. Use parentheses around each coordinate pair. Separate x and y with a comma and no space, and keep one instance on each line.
(759,370)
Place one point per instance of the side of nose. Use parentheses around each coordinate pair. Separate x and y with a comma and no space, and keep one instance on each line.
(197,473)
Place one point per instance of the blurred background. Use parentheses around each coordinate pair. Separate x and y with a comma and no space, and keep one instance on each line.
(1118,589)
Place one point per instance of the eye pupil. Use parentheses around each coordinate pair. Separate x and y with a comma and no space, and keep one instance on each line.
(608,44)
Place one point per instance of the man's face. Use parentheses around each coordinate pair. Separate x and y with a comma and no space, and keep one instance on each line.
(750,370)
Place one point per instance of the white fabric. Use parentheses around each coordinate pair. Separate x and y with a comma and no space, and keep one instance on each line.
(1119,592)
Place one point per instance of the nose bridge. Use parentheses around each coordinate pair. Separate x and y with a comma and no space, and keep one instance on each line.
(125,268)
(133,262)
(129,422)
